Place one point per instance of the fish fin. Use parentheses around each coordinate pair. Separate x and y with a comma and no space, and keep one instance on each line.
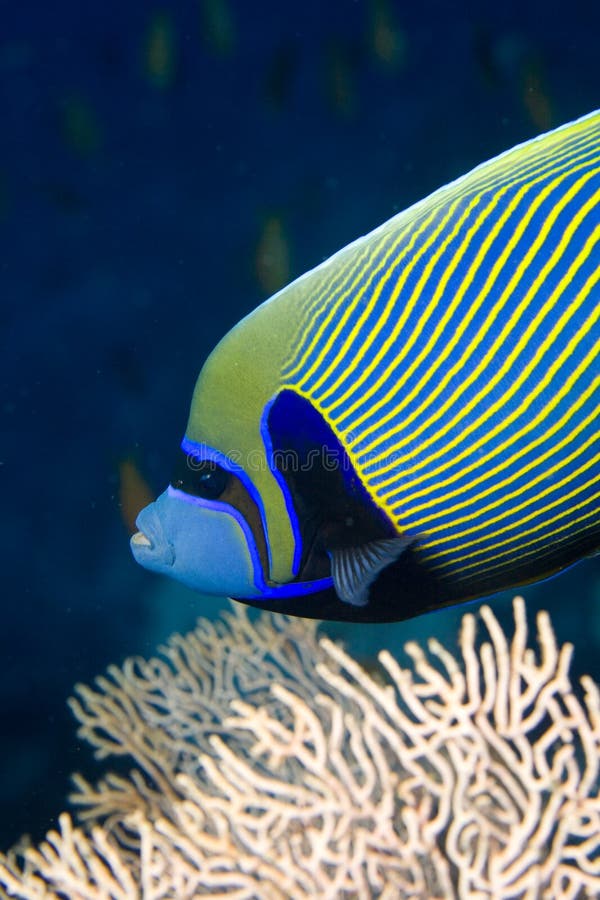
(354,569)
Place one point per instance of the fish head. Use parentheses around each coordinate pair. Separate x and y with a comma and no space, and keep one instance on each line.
(210,528)
(265,505)
(226,524)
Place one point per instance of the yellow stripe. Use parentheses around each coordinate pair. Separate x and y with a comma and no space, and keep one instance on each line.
(349,275)
(414,297)
(555,368)
(572,520)
(515,557)
(357,274)
(337,283)
(502,498)
(487,177)
(374,491)
(407,501)
(538,511)
(513,356)
(578,135)
(447,350)
(513,436)
(317,362)
(382,319)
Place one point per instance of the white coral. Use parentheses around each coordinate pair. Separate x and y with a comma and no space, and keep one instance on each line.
(271,765)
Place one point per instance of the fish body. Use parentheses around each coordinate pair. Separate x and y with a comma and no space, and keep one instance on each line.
(414,422)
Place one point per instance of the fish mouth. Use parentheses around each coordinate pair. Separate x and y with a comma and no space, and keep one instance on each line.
(139,539)
(149,544)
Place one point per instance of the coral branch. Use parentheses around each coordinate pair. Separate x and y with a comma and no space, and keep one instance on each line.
(271,765)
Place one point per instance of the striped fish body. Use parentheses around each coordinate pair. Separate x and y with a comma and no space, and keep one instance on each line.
(449,364)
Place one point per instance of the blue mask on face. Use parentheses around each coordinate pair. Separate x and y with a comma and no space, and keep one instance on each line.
(204,544)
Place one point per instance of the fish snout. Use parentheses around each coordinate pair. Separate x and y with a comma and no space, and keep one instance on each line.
(149,545)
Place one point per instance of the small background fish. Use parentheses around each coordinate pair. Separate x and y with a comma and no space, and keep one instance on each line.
(143,149)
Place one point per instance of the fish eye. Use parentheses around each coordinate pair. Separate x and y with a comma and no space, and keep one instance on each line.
(201,478)
(210,480)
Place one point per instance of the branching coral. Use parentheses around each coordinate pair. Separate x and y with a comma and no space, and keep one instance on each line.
(269,764)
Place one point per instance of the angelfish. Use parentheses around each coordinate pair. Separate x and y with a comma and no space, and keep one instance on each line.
(414,422)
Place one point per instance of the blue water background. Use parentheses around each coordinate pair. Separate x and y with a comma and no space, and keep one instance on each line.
(142,151)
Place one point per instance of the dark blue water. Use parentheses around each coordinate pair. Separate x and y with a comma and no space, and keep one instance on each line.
(145,153)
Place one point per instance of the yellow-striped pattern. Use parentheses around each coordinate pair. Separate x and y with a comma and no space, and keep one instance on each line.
(455,352)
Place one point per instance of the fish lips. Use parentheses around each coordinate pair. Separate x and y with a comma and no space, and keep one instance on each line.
(149,545)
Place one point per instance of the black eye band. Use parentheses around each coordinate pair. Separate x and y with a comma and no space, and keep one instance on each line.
(199,477)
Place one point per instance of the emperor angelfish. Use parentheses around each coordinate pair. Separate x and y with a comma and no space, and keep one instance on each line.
(414,422)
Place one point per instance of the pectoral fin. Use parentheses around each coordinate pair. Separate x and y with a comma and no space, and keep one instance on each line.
(354,569)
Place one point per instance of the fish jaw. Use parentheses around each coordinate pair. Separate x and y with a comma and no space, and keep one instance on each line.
(149,545)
